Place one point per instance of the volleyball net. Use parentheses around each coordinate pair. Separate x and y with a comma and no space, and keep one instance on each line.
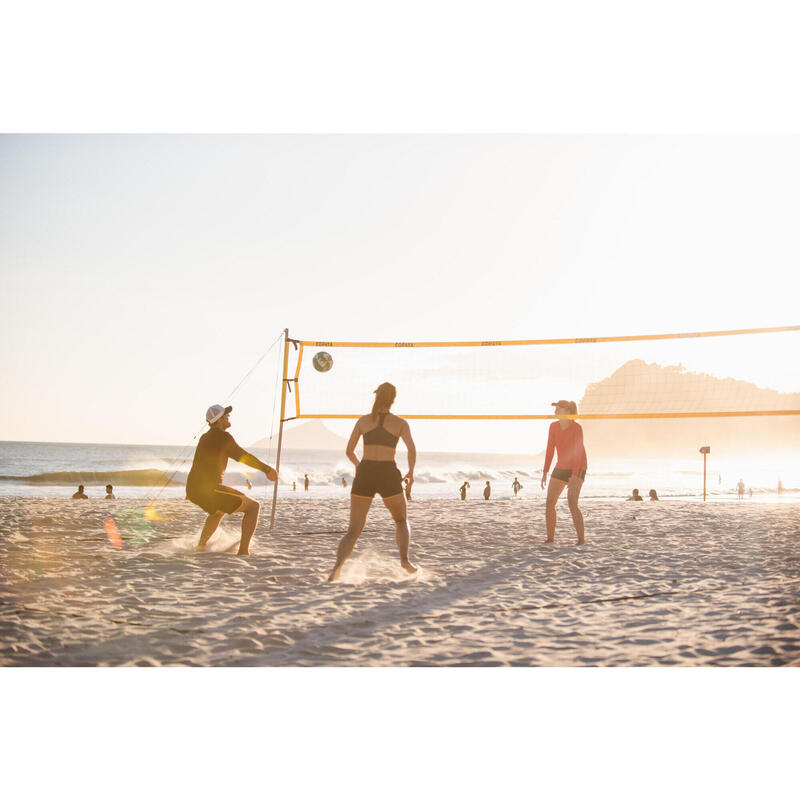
(733,373)
(654,396)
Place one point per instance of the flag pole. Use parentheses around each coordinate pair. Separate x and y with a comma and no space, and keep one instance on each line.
(280,428)
(705,451)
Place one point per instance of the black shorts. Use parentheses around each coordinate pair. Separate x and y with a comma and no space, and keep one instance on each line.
(566,474)
(215,498)
(382,477)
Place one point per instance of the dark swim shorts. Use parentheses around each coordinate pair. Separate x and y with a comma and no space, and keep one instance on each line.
(566,474)
(382,477)
(216,498)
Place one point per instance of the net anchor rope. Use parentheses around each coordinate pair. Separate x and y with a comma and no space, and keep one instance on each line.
(185,458)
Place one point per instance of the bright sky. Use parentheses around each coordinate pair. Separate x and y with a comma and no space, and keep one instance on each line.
(143,276)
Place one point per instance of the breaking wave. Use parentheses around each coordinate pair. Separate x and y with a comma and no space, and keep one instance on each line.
(123,477)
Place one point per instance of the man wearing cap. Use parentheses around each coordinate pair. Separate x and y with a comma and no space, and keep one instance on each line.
(204,484)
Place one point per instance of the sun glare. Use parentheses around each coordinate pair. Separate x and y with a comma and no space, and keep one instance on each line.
(113,533)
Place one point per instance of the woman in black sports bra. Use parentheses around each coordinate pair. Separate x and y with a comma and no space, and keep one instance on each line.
(378,473)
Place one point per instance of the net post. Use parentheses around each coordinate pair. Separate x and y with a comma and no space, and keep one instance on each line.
(280,427)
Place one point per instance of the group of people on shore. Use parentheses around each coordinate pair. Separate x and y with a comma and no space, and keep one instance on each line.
(306,483)
(375,473)
(487,490)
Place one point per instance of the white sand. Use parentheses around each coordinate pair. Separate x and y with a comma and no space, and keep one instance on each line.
(666,583)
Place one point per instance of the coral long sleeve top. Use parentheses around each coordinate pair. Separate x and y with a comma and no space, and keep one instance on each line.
(568,443)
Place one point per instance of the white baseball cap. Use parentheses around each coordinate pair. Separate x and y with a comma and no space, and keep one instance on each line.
(215,412)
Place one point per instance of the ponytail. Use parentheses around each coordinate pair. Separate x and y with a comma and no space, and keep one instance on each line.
(384,397)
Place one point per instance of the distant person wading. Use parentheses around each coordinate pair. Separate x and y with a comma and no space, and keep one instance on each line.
(204,484)
(377,473)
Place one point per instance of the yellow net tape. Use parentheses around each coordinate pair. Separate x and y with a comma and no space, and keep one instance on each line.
(654,415)
(590,340)
(297,382)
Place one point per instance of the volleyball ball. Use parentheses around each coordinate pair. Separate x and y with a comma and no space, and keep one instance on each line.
(322,361)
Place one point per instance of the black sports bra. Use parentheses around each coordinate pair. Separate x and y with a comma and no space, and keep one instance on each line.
(380,435)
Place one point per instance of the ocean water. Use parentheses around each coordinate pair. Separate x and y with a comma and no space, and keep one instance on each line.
(49,469)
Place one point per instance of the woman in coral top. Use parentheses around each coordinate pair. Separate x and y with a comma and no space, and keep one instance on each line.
(566,439)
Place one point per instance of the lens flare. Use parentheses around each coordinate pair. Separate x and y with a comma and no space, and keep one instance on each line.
(113,533)
(135,523)
(150,513)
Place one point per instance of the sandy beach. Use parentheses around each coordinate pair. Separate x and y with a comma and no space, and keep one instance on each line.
(678,583)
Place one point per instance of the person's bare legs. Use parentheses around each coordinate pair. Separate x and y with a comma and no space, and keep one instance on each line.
(359,508)
(249,522)
(211,524)
(398,508)
(554,490)
(573,493)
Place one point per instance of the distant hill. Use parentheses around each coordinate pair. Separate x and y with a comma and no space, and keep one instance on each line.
(311,435)
(640,387)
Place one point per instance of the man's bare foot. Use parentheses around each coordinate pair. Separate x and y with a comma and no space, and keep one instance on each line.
(243,553)
(580,541)
(408,567)
(549,541)
(201,548)
(335,572)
